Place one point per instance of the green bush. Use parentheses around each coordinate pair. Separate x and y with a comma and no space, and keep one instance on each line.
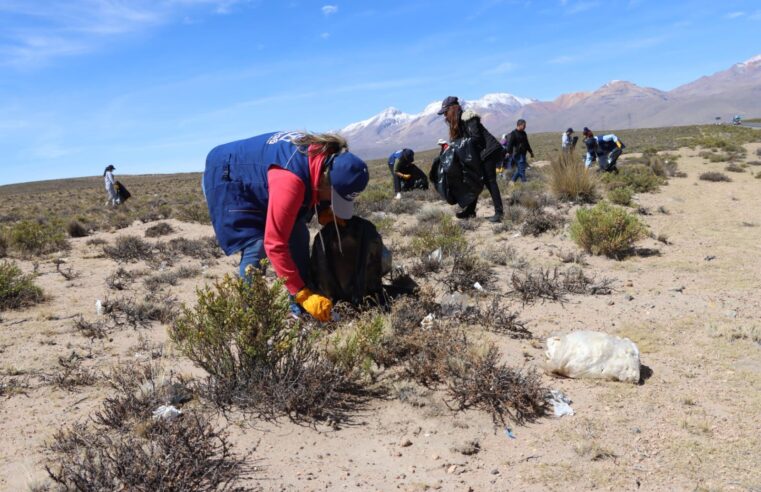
(446,234)
(640,178)
(606,230)
(570,179)
(621,196)
(35,238)
(16,289)
(256,355)
(714,176)
(354,347)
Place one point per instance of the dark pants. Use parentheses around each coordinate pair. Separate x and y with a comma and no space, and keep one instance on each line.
(298,243)
(397,180)
(489,170)
(520,168)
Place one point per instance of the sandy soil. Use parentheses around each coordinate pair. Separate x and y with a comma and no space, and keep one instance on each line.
(695,423)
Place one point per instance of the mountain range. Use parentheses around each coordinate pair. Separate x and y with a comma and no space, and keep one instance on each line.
(616,105)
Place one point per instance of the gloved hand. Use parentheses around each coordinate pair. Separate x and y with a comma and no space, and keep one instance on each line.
(318,306)
(405,176)
(500,170)
(618,144)
(326,217)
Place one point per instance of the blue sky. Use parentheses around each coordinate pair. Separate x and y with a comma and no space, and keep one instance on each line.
(153,85)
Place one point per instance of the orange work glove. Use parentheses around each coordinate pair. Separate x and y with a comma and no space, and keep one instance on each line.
(318,306)
(326,217)
(618,144)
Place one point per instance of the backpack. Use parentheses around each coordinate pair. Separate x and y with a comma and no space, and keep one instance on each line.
(356,275)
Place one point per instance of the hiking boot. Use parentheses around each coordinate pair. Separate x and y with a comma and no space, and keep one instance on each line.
(495,218)
(465,214)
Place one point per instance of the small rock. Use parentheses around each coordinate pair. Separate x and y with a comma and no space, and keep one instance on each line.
(495,472)
(452,469)
(629,297)
(405,443)
(731,314)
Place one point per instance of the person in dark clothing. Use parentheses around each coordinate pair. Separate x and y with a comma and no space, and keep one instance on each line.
(517,147)
(467,124)
(406,175)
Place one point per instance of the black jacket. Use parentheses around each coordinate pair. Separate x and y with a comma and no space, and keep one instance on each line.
(517,143)
(482,139)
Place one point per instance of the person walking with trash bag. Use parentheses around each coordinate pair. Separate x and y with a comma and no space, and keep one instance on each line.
(605,149)
(517,147)
(406,175)
(110,182)
(262,192)
(467,125)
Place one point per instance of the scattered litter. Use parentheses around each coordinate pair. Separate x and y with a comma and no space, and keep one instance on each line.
(437,256)
(427,322)
(561,404)
(453,304)
(167,412)
(98,307)
(590,354)
(517,234)
(509,433)
(478,286)
(709,258)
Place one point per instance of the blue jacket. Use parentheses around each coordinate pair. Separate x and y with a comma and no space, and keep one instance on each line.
(235,184)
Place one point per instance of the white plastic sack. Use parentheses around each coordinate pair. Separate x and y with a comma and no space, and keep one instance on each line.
(166,412)
(589,354)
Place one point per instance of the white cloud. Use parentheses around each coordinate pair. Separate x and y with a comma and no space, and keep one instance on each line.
(500,69)
(43,31)
(578,7)
(325,35)
(329,9)
(734,15)
(559,60)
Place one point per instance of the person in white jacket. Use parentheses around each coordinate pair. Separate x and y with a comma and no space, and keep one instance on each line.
(110,182)
(568,141)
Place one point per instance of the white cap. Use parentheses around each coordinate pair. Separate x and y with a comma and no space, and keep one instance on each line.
(442,142)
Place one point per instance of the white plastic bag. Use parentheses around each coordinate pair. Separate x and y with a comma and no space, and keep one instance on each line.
(589,354)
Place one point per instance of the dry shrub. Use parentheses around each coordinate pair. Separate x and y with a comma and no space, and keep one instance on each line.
(91,330)
(96,241)
(124,448)
(33,238)
(353,346)
(71,374)
(498,318)
(128,312)
(499,255)
(715,177)
(11,386)
(155,282)
(202,249)
(734,168)
(3,245)
(553,285)
(467,270)
(429,214)
(160,229)
(538,222)
(16,289)
(120,279)
(76,229)
(570,179)
(480,380)
(257,357)
(130,249)
(606,230)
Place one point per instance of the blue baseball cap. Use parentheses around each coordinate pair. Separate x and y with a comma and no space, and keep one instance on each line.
(348,178)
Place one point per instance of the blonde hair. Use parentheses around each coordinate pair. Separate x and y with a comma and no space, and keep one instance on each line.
(327,143)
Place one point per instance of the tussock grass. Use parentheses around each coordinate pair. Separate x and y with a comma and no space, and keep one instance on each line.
(570,180)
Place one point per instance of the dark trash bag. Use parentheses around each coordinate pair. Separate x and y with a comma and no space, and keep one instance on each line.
(122,192)
(355,276)
(456,173)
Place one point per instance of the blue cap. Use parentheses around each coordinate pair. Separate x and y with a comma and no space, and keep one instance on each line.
(348,178)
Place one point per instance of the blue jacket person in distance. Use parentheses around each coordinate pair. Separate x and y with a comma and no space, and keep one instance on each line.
(605,149)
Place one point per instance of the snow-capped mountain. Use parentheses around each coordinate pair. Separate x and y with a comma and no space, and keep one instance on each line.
(616,104)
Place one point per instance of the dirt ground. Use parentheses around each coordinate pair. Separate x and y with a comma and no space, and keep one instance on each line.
(694,423)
